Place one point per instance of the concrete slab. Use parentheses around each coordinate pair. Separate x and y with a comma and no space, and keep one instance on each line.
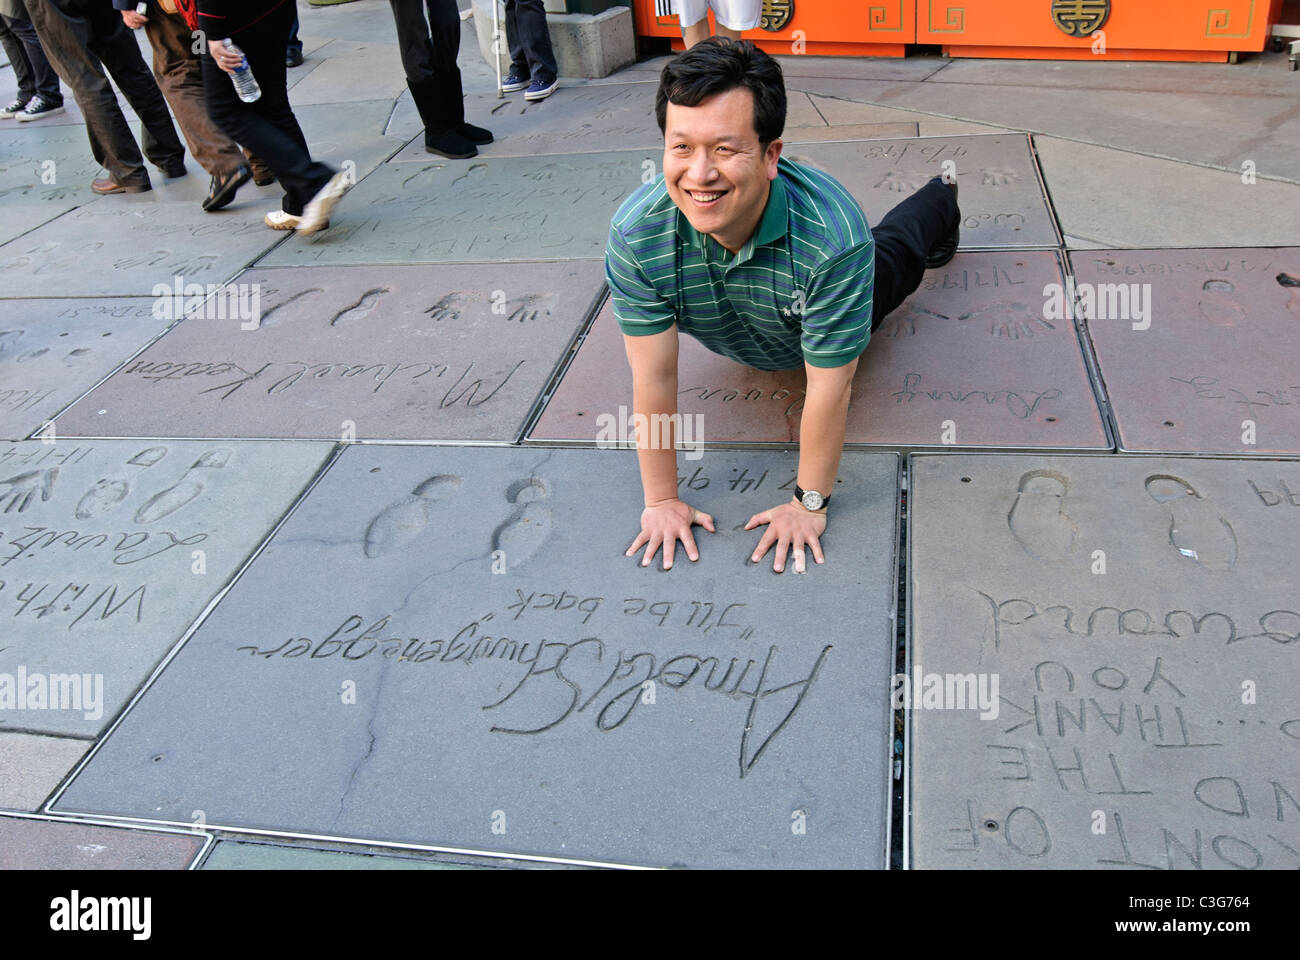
(1137,614)
(847,114)
(1171,125)
(181,516)
(862,68)
(449,744)
(582,120)
(400,353)
(967,358)
(1119,199)
(1001,200)
(1214,373)
(481,210)
(134,244)
(352,70)
(230,855)
(31,844)
(53,351)
(47,163)
(32,767)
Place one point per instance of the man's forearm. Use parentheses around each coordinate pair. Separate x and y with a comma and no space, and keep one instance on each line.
(821,434)
(654,404)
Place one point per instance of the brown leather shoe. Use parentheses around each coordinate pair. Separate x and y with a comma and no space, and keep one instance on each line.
(105,186)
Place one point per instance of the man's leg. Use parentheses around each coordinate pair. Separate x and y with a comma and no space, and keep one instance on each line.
(14,49)
(293,46)
(535,40)
(47,81)
(904,238)
(180,77)
(64,39)
(116,48)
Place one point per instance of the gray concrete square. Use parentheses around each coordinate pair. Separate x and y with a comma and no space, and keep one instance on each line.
(1197,348)
(576,705)
(512,208)
(111,549)
(399,353)
(233,855)
(1137,616)
(968,360)
(53,351)
(1002,202)
(31,767)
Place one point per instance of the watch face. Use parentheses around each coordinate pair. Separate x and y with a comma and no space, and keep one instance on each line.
(812,500)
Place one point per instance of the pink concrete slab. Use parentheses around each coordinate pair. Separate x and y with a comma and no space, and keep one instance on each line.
(49,845)
(1215,371)
(967,361)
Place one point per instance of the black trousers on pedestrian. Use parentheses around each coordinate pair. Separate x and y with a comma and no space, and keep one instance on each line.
(903,239)
(429,50)
(531,54)
(267,126)
(76,44)
(32,70)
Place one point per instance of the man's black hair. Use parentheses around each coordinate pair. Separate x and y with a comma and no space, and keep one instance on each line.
(720,64)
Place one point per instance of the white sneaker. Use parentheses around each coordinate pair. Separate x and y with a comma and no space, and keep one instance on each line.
(316,215)
(279,220)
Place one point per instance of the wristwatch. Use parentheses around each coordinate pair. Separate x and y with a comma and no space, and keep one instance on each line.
(811,499)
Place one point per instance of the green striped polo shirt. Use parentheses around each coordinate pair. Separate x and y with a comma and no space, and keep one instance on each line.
(798,291)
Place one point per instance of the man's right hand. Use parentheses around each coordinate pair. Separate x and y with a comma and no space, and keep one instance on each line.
(133,19)
(663,524)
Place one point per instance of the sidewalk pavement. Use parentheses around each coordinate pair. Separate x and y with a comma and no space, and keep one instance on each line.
(313,546)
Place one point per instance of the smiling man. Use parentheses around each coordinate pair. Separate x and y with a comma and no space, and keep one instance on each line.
(763,260)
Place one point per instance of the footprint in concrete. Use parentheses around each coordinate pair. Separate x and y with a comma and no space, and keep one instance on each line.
(405,519)
(166,502)
(110,491)
(1217,305)
(1196,529)
(1287,280)
(1038,520)
(369,300)
(529,525)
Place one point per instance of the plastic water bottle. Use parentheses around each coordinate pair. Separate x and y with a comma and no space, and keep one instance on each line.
(245,83)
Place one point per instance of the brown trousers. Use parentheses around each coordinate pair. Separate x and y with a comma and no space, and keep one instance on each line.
(179,72)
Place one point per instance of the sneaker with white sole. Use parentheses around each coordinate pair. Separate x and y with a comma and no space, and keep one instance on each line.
(538,90)
(514,82)
(13,109)
(37,109)
(279,220)
(316,215)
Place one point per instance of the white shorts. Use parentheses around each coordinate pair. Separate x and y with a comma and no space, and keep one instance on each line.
(732,14)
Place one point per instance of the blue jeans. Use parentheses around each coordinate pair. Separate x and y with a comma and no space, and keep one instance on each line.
(530,41)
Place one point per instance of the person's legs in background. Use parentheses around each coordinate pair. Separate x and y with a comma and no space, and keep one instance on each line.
(293,48)
(64,39)
(180,77)
(41,82)
(904,238)
(267,126)
(531,54)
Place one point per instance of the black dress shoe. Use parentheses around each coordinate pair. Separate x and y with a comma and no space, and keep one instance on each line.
(223,189)
(449,144)
(175,170)
(946,248)
(265,181)
(293,58)
(473,134)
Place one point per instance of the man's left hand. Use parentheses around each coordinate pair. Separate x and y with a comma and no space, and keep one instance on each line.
(790,527)
(133,19)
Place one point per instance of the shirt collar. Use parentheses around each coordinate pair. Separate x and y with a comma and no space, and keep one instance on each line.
(774,224)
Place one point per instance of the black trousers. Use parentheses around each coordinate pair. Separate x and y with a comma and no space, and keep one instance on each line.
(531,54)
(32,69)
(77,43)
(904,239)
(267,126)
(429,50)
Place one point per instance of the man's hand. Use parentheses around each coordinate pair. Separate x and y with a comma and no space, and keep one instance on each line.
(226,60)
(789,526)
(133,19)
(663,524)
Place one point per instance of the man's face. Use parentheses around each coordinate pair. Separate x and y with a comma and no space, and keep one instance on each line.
(714,168)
